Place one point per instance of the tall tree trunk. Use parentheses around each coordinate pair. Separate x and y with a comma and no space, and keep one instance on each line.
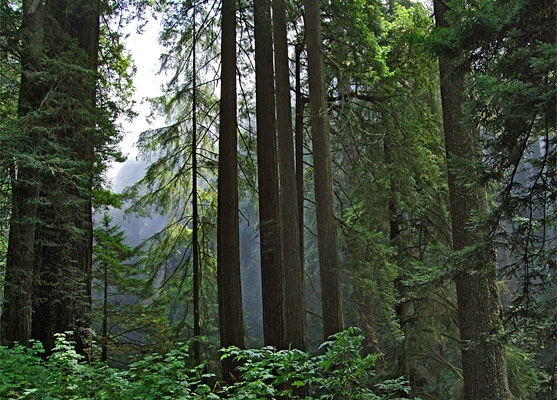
(269,207)
(195,216)
(104,329)
(61,275)
(333,320)
(231,320)
(483,354)
(293,274)
(299,126)
(86,25)
(63,244)
(20,274)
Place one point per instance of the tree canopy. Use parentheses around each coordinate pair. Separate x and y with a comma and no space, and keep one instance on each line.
(378,175)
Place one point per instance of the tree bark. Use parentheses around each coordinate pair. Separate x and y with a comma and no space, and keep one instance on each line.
(479,307)
(59,278)
(231,320)
(104,329)
(269,207)
(299,126)
(333,321)
(18,283)
(63,242)
(86,25)
(293,274)
(195,216)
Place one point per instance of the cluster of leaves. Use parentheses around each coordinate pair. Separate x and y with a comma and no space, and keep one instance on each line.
(66,375)
(339,373)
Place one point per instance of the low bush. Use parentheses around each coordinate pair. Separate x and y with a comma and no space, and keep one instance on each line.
(340,372)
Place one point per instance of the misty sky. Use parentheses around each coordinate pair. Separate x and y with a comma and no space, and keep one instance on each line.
(145,51)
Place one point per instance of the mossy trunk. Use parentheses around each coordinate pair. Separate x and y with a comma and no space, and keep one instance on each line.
(63,240)
(479,308)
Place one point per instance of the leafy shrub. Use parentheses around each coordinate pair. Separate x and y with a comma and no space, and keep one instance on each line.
(339,373)
(67,375)
(19,366)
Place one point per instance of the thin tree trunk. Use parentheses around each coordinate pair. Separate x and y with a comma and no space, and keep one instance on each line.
(104,330)
(333,320)
(402,307)
(299,126)
(269,207)
(231,320)
(479,308)
(195,217)
(293,275)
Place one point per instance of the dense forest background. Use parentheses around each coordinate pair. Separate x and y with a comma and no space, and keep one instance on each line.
(355,197)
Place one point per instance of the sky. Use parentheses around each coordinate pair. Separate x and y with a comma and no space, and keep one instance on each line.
(145,51)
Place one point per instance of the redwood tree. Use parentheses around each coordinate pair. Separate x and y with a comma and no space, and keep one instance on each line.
(231,322)
(293,274)
(333,320)
(51,240)
(63,244)
(18,283)
(269,207)
(479,308)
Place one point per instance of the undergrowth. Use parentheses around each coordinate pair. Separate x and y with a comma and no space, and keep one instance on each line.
(339,372)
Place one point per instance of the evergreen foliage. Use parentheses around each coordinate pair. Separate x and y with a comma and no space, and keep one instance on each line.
(166,188)
(115,285)
(59,132)
(514,91)
(9,90)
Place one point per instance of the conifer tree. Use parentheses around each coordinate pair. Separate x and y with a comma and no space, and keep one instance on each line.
(231,322)
(513,101)
(9,91)
(293,274)
(57,97)
(20,274)
(167,186)
(267,166)
(112,278)
(299,145)
(195,213)
(329,271)
(63,245)
(479,307)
